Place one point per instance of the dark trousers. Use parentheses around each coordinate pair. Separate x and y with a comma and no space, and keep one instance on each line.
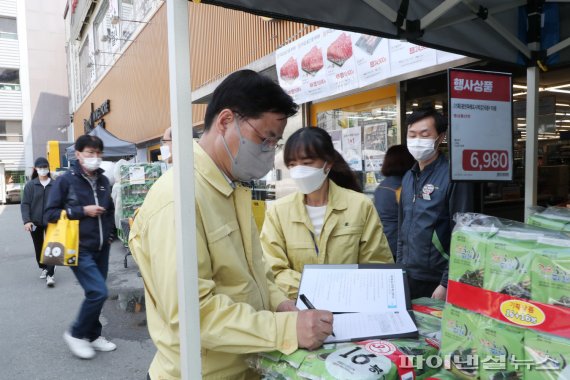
(91,274)
(419,288)
(38,239)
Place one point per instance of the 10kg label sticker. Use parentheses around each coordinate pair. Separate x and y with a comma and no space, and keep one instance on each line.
(358,363)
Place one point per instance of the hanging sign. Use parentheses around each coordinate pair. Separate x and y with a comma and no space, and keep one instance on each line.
(480,125)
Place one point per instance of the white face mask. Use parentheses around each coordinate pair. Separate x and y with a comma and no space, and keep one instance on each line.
(308,178)
(421,149)
(91,163)
(42,172)
(164,152)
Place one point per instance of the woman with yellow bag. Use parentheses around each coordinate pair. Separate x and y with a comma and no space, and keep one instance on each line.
(34,199)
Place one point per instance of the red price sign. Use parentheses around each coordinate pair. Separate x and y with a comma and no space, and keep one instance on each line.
(485,160)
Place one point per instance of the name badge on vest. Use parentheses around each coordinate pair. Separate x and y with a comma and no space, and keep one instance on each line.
(426,191)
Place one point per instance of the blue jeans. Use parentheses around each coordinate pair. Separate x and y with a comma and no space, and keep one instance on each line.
(91,274)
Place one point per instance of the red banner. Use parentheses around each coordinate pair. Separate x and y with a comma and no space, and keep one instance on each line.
(515,311)
(480,86)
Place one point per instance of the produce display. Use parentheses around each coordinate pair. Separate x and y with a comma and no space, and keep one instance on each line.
(136,180)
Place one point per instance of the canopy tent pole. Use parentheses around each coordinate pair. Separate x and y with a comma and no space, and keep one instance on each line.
(437,12)
(183,158)
(531,151)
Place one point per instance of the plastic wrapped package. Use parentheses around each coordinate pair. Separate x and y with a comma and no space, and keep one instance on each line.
(468,248)
(547,357)
(552,218)
(367,360)
(508,260)
(498,347)
(458,335)
(550,272)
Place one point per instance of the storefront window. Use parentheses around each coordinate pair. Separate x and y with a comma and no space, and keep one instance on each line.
(11,131)
(362,127)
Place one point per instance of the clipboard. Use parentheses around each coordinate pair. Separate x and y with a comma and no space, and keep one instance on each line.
(370,301)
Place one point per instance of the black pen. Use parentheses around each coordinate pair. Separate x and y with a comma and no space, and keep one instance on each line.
(310,306)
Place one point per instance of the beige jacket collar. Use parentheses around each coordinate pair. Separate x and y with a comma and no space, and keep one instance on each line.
(210,171)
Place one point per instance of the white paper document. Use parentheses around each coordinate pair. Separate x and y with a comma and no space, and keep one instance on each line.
(367,302)
(349,326)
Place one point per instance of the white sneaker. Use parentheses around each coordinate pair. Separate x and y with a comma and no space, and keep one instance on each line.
(102,344)
(50,281)
(79,347)
(44,274)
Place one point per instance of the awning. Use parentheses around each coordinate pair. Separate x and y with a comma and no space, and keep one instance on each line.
(113,146)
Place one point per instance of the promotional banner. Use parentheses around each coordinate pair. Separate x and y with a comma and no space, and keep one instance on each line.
(352,147)
(327,62)
(375,145)
(480,126)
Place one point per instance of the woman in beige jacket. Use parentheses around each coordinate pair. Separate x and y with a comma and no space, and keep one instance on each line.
(329,221)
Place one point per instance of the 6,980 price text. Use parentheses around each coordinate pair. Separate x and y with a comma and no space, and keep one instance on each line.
(485,160)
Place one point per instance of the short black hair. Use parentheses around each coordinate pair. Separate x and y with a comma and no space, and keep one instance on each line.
(397,161)
(249,94)
(88,141)
(422,113)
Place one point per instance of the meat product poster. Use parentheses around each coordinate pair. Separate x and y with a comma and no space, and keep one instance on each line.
(375,145)
(340,62)
(372,59)
(315,83)
(327,62)
(406,57)
(352,147)
(288,70)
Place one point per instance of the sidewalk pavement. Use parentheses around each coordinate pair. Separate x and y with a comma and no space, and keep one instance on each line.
(33,317)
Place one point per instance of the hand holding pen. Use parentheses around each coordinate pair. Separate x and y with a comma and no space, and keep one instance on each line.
(310,306)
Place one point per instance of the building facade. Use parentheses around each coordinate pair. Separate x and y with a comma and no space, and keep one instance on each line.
(34,106)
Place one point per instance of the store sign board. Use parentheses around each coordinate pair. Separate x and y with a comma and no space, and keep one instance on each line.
(480,125)
(327,62)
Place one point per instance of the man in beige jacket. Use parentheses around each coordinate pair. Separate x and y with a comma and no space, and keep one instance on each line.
(242,311)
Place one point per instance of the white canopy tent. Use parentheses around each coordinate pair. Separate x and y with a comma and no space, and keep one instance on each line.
(529,33)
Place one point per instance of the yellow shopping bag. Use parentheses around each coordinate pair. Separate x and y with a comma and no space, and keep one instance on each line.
(61,244)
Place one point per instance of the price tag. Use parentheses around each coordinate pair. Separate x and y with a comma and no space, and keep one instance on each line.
(485,160)
(480,118)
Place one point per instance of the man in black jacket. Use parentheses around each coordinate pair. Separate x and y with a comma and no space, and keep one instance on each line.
(85,194)
(427,204)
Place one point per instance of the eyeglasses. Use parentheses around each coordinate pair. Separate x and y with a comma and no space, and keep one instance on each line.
(164,140)
(267,143)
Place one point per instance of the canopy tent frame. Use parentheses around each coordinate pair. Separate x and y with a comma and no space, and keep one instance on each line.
(399,26)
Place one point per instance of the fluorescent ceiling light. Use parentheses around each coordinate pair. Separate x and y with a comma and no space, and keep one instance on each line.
(522,86)
(552,89)
(563,105)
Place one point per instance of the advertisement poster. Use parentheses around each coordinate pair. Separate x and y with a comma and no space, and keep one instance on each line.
(288,71)
(481,139)
(372,59)
(340,62)
(375,145)
(336,137)
(326,62)
(311,56)
(352,147)
(406,57)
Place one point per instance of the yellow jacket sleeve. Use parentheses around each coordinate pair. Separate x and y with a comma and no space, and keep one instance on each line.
(275,252)
(374,248)
(236,327)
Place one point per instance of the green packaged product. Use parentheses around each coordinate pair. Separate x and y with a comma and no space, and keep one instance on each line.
(467,254)
(547,357)
(556,221)
(428,305)
(428,326)
(508,260)
(550,272)
(443,375)
(272,370)
(348,362)
(458,335)
(498,346)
